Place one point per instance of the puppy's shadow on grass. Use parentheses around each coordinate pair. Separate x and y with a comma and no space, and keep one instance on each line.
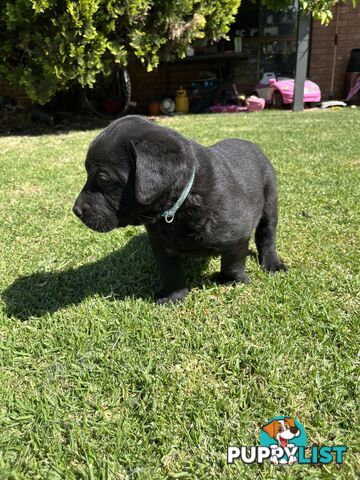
(127,273)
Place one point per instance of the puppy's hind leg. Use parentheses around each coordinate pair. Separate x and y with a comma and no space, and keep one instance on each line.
(233,265)
(265,234)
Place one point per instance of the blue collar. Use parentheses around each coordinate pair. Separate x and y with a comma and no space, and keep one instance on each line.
(170,214)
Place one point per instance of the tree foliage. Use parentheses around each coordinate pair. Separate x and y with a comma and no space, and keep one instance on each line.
(46,45)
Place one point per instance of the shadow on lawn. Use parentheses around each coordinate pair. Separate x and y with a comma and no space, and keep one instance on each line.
(30,129)
(129,272)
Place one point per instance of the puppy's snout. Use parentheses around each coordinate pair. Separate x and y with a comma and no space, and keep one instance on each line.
(78,211)
(294,430)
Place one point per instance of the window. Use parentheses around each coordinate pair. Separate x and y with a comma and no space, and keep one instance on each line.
(269,40)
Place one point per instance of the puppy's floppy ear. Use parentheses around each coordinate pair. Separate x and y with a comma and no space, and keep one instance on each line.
(270,428)
(290,421)
(160,163)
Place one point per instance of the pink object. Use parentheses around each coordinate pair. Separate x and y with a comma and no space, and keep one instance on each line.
(254,103)
(273,89)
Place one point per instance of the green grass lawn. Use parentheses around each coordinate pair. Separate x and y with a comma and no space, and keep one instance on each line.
(97,382)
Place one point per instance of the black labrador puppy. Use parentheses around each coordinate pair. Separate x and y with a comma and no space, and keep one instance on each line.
(193,200)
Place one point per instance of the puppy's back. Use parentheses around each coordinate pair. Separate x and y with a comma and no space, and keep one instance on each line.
(241,152)
(244,159)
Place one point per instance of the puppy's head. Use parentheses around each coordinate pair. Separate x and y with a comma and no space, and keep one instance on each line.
(282,430)
(134,168)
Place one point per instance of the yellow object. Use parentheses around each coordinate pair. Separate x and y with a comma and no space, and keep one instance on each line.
(181,101)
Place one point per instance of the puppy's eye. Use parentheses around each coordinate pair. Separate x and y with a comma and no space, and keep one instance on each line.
(105,182)
(103,178)
(280,429)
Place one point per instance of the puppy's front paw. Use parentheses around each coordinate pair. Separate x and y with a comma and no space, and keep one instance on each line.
(223,279)
(273,266)
(171,297)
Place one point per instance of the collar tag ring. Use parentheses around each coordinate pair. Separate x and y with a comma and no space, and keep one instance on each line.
(169,217)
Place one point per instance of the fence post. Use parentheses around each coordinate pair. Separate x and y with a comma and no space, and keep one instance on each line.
(302,54)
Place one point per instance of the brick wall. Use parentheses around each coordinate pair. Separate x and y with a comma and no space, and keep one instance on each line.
(6,90)
(165,80)
(322,49)
(145,86)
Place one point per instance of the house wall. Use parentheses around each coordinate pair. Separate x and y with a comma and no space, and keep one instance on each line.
(145,86)
(322,49)
(6,90)
(164,81)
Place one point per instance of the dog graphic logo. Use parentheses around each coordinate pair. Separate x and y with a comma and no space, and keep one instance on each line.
(283,443)
(286,433)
